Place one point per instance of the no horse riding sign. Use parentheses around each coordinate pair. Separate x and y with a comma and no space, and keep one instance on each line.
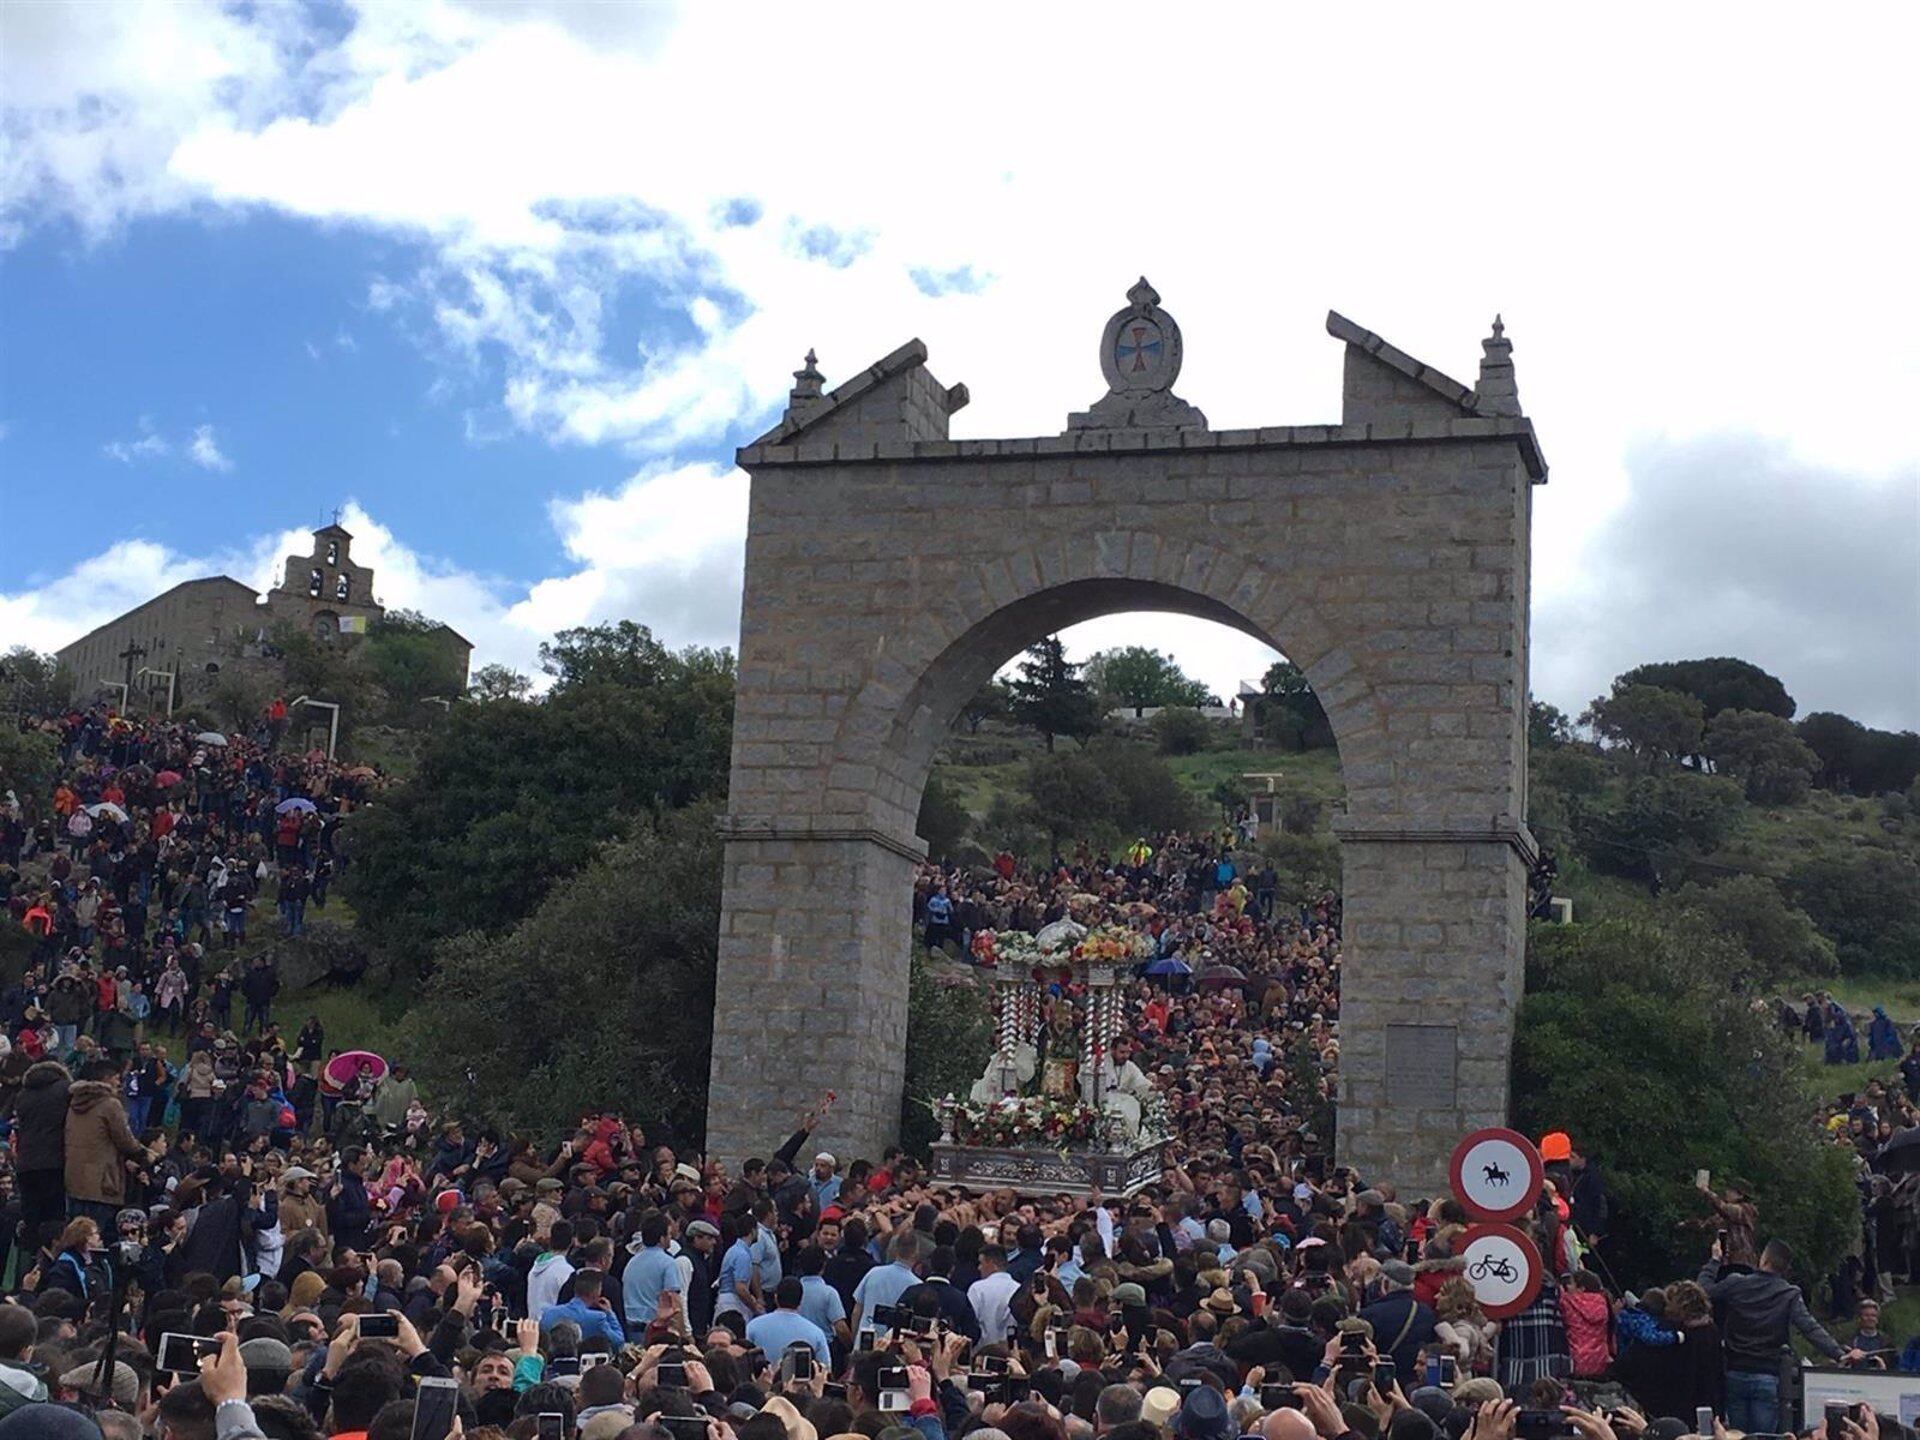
(1496,1174)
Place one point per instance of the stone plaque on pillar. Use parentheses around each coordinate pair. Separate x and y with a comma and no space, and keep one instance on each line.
(1421,1066)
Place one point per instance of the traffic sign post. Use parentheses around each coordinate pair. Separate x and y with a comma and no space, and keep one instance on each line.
(1504,1268)
(1497,1174)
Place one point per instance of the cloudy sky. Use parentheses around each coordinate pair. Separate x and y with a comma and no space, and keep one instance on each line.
(507,282)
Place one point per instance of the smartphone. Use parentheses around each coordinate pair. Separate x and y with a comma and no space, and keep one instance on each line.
(1385,1374)
(1015,1389)
(1721,1236)
(991,1365)
(866,1338)
(670,1373)
(1542,1425)
(1449,1372)
(436,1404)
(893,1389)
(1278,1397)
(1703,1420)
(1050,1343)
(797,1363)
(753,1360)
(1353,1342)
(1189,1383)
(591,1358)
(181,1354)
(1835,1414)
(834,1390)
(890,1317)
(1702,1179)
(380,1327)
(1413,1251)
(552,1425)
(685,1427)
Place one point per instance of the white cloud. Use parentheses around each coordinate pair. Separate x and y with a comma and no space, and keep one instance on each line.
(204,450)
(1687,238)
(200,447)
(148,447)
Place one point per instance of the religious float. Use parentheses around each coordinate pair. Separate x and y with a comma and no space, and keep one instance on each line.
(1054,1114)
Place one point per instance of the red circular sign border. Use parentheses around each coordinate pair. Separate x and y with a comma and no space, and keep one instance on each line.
(1536,1174)
(1537,1278)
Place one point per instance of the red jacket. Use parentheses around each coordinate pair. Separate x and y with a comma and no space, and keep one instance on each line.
(1589,1321)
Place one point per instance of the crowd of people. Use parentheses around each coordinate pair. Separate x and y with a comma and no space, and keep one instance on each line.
(353,1260)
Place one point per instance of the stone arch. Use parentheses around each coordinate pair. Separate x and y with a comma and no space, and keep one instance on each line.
(890,570)
(887,737)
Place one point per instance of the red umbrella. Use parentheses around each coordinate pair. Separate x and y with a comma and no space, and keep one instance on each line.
(167,779)
(343,1067)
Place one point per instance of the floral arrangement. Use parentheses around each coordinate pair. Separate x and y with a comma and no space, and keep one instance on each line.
(1020,1120)
(1015,948)
(1115,944)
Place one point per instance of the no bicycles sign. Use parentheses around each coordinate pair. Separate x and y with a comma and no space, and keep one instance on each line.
(1496,1174)
(1504,1268)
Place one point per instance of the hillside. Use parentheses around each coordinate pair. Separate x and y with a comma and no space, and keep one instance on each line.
(1706,836)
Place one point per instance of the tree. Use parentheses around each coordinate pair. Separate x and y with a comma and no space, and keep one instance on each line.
(992,701)
(1762,749)
(943,821)
(498,682)
(1659,823)
(1180,730)
(33,683)
(511,797)
(1654,723)
(28,759)
(1862,760)
(569,1000)
(621,654)
(1750,911)
(1071,797)
(1139,677)
(1547,725)
(1622,1019)
(950,1034)
(1722,683)
(1289,713)
(1049,695)
(412,659)
(1868,903)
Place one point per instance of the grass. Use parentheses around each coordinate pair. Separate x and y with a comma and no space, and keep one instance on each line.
(354,1019)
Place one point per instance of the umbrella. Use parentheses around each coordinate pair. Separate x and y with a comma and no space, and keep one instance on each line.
(345,1066)
(298,802)
(167,779)
(111,808)
(1168,965)
(211,737)
(1219,977)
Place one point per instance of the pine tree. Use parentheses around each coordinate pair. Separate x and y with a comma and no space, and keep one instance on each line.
(1049,695)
